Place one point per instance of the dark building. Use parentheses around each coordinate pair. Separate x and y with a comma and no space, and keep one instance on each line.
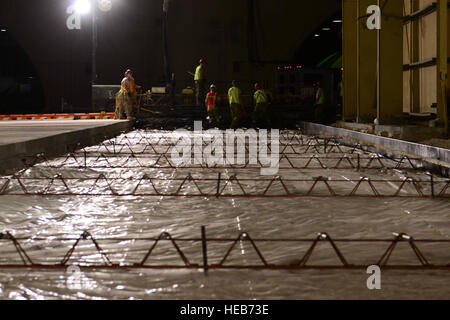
(243,40)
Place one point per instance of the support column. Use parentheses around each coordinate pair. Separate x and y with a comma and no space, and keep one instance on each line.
(367,68)
(442,54)
(414,51)
(349,15)
(391,61)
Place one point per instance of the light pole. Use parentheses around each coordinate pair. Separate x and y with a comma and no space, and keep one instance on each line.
(94,45)
(165,30)
(83,7)
(105,6)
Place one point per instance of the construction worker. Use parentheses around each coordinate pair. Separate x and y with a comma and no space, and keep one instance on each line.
(199,79)
(126,97)
(340,90)
(234,98)
(319,104)
(261,118)
(210,101)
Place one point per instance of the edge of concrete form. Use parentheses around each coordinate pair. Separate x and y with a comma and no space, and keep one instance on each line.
(431,158)
(13,156)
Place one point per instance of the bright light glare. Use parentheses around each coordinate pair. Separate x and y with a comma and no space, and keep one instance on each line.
(82,6)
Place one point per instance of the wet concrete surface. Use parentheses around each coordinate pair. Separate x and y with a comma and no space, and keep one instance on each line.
(108,216)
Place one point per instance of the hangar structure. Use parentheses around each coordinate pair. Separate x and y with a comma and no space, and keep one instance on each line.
(400,68)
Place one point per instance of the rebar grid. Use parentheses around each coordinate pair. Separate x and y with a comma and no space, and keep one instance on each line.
(149,157)
(328,153)
(190,186)
(382,261)
(293,149)
(87,160)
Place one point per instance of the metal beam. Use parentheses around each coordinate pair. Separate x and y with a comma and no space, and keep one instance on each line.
(418,14)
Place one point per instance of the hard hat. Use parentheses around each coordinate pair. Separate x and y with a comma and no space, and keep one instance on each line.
(212,86)
(128,71)
(202,61)
(320,84)
(257,86)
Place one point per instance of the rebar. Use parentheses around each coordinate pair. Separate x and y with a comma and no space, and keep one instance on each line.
(263,261)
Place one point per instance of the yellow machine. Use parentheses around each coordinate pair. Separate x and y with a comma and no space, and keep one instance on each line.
(142,101)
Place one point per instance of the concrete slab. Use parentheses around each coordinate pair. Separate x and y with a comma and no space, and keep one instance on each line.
(22,139)
(433,158)
(412,133)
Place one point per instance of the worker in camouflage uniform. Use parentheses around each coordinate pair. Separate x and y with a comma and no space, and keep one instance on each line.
(126,97)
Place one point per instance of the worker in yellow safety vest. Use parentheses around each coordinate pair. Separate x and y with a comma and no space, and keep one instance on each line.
(319,104)
(234,98)
(126,97)
(199,79)
(261,118)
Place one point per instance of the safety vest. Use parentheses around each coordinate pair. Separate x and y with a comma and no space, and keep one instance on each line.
(199,73)
(320,96)
(128,85)
(260,96)
(233,95)
(211,99)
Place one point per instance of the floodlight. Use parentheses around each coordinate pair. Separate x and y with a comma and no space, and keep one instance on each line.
(82,6)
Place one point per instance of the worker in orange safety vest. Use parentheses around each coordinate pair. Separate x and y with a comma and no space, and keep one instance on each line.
(211,103)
